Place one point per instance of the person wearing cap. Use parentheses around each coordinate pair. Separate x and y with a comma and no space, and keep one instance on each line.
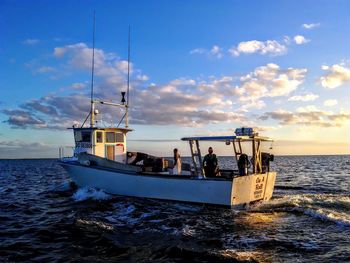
(210,163)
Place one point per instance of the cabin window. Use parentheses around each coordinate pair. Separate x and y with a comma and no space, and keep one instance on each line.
(110,137)
(119,137)
(77,136)
(99,137)
(86,136)
(83,136)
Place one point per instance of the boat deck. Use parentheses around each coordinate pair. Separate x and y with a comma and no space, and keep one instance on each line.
(232,173)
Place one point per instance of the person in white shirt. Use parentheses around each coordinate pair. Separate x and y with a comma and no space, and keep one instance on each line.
(177,162)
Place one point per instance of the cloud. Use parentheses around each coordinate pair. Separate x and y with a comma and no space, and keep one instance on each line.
(336,75)
(22,119)
(44,69)
(305,97)
(198,51)
(299,40)
(308,116)
(78,86)
(142,77)
(23,145)
(215,51)
(271,81)
(31,41)
(330,103)
(310,26)
(20,149)
(181,101)
(49,112)
(268,47)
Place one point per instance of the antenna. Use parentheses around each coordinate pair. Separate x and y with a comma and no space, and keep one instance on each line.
(128,85)
(92,114)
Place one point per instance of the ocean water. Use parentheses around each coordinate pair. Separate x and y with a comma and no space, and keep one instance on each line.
(44,219)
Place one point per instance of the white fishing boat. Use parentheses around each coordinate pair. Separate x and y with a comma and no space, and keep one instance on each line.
(101,160)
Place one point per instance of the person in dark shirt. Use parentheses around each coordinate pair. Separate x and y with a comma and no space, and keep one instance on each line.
(243,164)
(210,163)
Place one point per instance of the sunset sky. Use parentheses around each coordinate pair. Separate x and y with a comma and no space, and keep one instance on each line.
(198,68)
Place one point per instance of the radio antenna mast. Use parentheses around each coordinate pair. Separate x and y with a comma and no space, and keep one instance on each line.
(128,85)
(92,113)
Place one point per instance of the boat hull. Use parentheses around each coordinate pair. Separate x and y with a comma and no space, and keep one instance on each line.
(239,191)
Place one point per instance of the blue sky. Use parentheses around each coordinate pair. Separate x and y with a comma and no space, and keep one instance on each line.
(198,67)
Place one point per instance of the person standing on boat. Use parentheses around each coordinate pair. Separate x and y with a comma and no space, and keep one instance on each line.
(243,164)
(210,163)
(177,162)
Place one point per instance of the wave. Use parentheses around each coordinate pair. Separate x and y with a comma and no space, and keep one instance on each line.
(94,223)
(86,193)
(62,187)
(341,219)
(326,207)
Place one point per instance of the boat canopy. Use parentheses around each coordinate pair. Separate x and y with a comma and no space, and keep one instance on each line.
(236,140)
(125,130)
(228,138)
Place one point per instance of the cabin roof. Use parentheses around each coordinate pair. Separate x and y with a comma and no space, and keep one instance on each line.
(227,138)
(125,130)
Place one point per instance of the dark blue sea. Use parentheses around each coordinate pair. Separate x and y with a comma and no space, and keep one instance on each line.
(44,219)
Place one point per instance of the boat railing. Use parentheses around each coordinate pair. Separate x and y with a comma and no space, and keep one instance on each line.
(65,152)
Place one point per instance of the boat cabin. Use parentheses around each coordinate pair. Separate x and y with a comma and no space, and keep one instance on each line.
(108,143)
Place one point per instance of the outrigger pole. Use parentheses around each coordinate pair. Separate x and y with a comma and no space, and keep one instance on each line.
(93,101)
(128,86)
(126,104)
(92,114)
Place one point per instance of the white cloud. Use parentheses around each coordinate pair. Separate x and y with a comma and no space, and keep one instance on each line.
(330,103)
(181,101)
(271,81)
(248,104)
(31,41)
(78,86)
(44,69)
(304,97)
(142,77)
(310,26)
(299,40)
(267,47)
(215,51)
(198,51)
(336,75)
(308,108)
(308,116)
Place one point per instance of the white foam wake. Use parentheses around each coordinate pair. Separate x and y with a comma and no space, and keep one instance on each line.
(95,223)
(90,193)
(326,207)
(338,218)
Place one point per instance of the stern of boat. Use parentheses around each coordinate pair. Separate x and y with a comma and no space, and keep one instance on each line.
(251,188)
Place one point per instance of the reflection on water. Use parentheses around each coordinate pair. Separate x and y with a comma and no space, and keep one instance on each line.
(43,219)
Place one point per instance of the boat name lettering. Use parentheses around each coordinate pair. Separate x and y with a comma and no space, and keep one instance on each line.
(259,186)
(259,180)
(84,145)
(258,194)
